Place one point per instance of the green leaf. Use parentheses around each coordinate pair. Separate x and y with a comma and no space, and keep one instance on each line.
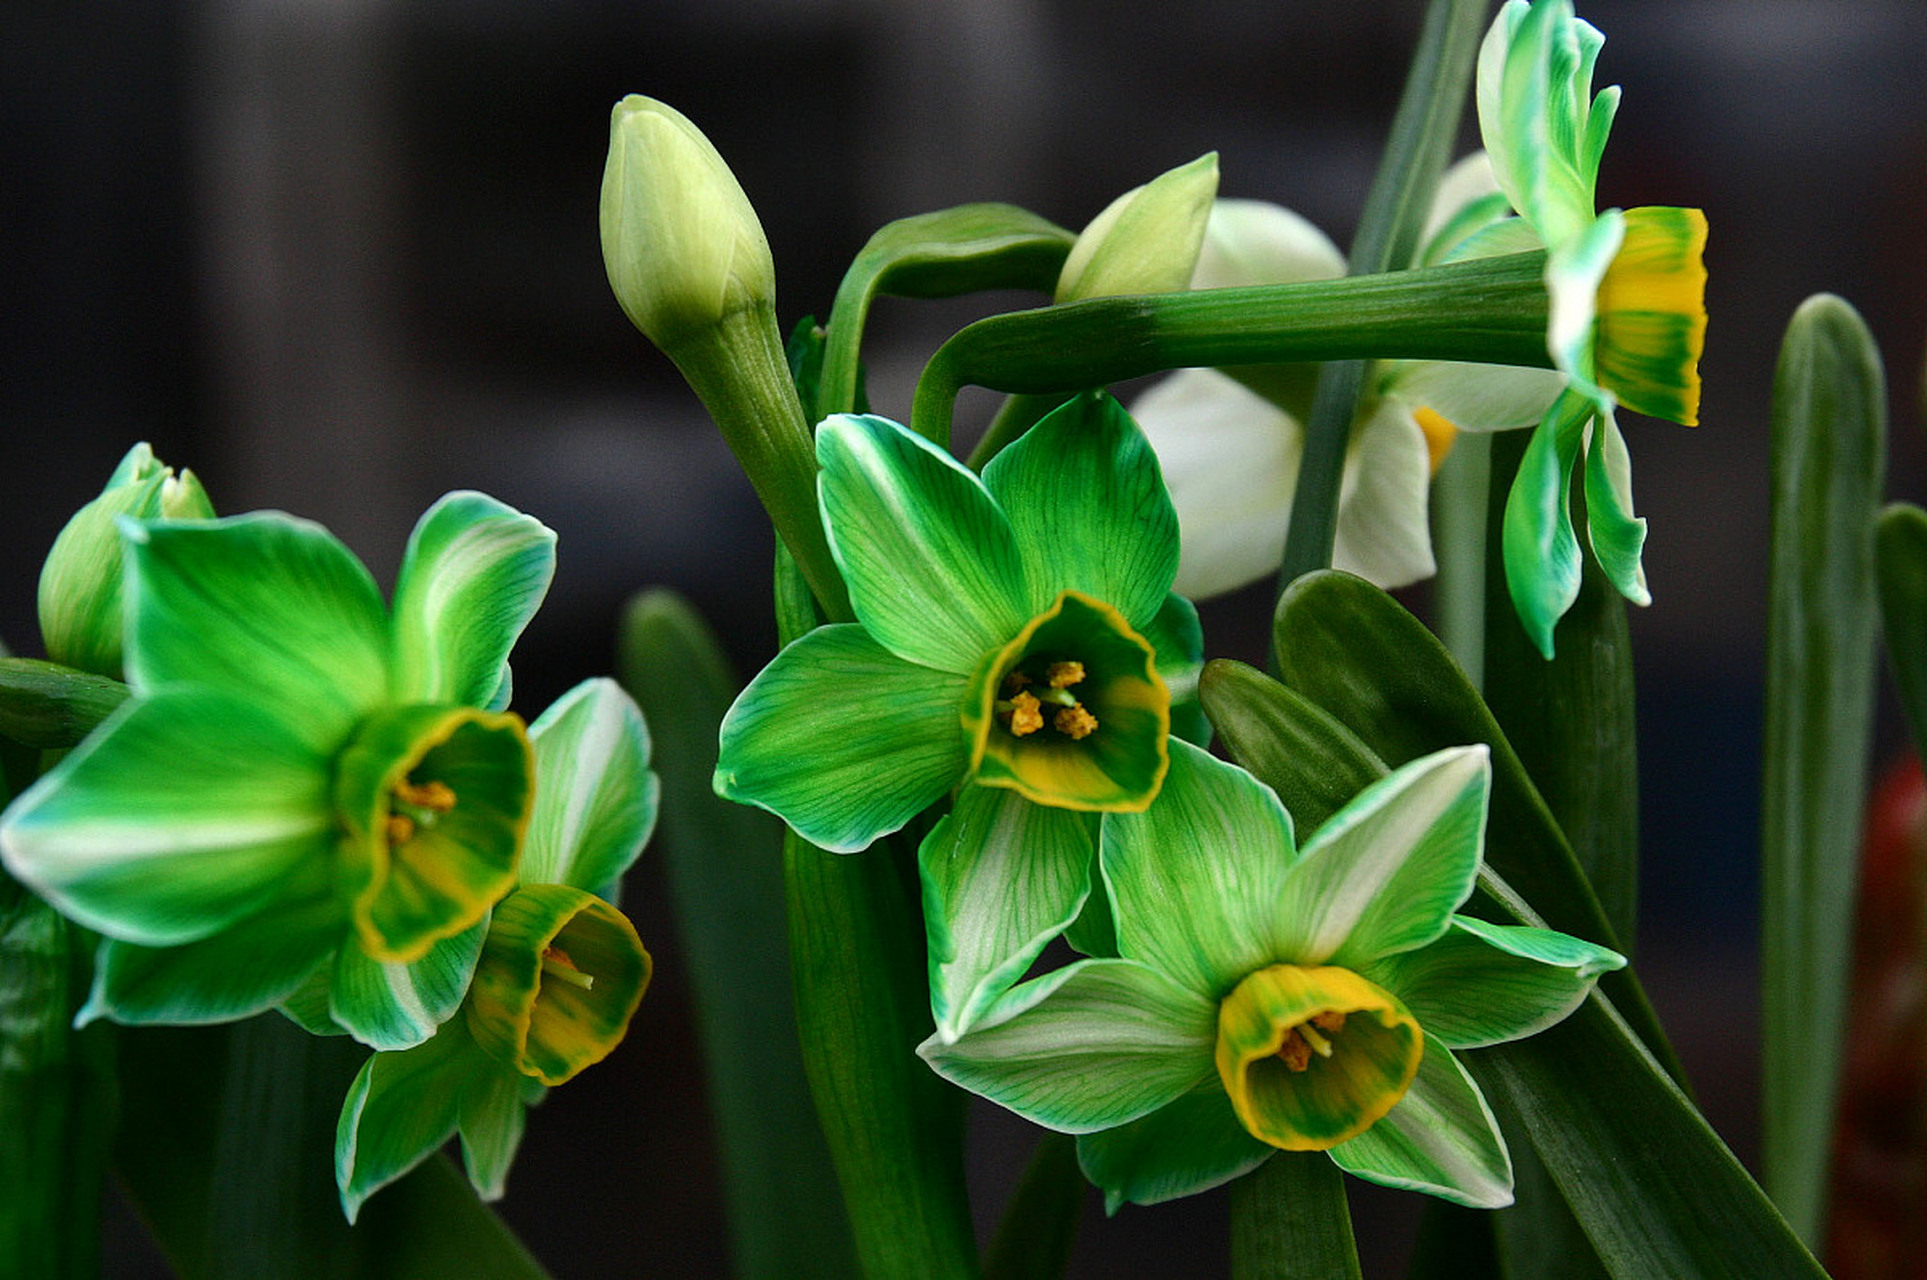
(181,816)
(1191,1144)
(1829,452)
(1088,505)
(595,797)
(786,1216)
(1440,1139)
(1290,1221)
(1198,878)
(1001,878)
(1387,871)
(932,564)
(1314,763)
(1039,1226)
(843,739)
(43,704)
(1096,1044)
(1900,555)
(473,574)
(390,1006)
(263,606)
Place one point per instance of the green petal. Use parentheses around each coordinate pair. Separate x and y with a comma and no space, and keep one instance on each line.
(181,814)
(1085,497)
(1484,984)
(1440,1139)
(930,558)
(1542,565)
(1175,633)
(1001,878)
(264,606)
(1093,1045)
(491,1121)
(1617,535)
(251,965)
(842,739)
(1574,271)
(1190,1145)
(1385,873)
(1197,879)
(472,577)
(397,1006)
(595,797)
(307,1005)
(400,1108)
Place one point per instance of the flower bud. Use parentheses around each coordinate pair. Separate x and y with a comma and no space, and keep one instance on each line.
(1146,240)
(680,241)
(80,584)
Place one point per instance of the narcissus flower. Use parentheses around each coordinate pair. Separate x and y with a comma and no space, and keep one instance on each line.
(1231,442)
(1017,631)
(559,977)
(303,777)
(1628,293)
(1266,997)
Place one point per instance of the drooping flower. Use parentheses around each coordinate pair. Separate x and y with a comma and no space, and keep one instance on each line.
(559,977)
(1231,442)
(304,780)
(1266,997)
(1017,631)
(1628,315)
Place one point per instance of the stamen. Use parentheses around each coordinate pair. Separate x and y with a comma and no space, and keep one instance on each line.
(1295,1052)
(434,796)
(1306,1039)
(1075,722)
(1013,681)
(401,829)
(556,963)
(1024,715)
(1062,675)
(1319,1044)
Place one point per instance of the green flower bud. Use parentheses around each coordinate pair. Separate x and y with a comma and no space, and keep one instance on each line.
(681,243)
(1146,240)
(80,584)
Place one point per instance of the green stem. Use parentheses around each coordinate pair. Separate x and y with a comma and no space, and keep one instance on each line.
(738,370)
(1459,493)
(1490,310)
(1388,230)
(1289,1221)
(1039,1227)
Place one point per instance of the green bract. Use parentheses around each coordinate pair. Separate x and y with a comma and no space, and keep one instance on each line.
(80,584)
(1628,316)
(305,783)
(558,979)
(1266,997)
(1019,631)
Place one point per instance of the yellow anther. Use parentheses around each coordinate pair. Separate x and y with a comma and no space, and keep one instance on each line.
(1024,715)
(1073,721)
(434,796)
(401,829)
(1295,1052)
(1062,675)
(1013,681)
(1439,434)
(1330,1020)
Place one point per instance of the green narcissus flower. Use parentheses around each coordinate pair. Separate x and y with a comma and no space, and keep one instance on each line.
(1266,997)
(1017,631)
(559,977)
(304,780)
(80,605)
(1231,442)
(1628,294)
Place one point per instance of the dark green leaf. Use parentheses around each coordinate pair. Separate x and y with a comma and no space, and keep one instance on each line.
(1039,1225)
(1900,546)
(1290,1221)
(43,704)
(1829,452)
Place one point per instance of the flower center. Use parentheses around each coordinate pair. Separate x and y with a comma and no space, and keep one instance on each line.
(413,806)
(1309,1037)
(1021,708)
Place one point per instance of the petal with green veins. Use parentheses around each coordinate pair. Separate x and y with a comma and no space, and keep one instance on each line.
(1542,564)
(1386,872)
(182,814)
(1197,878)
(1574,272)
(1087,502)
(391,1006)
(1174,632)
(251,965)
(842,739)
(492,1115)
(1484,984)
(1001,878)
(263,605)
(400,1108)
(1096,1044)
(1440,1139)
(931,561)
(1616,534)
(595,797)
(1191,1144)
(1476,397)
(471,578)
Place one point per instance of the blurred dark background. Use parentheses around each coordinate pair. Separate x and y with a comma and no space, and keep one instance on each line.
(340,256)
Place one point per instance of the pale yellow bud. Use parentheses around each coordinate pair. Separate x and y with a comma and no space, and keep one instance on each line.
(1146,240)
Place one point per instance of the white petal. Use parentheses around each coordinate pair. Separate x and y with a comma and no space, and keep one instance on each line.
(1475,397)
(1383,535)
(1249,242)
(1230,458)
(1469,179)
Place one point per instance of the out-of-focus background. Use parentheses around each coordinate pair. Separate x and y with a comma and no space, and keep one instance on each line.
(340,256)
